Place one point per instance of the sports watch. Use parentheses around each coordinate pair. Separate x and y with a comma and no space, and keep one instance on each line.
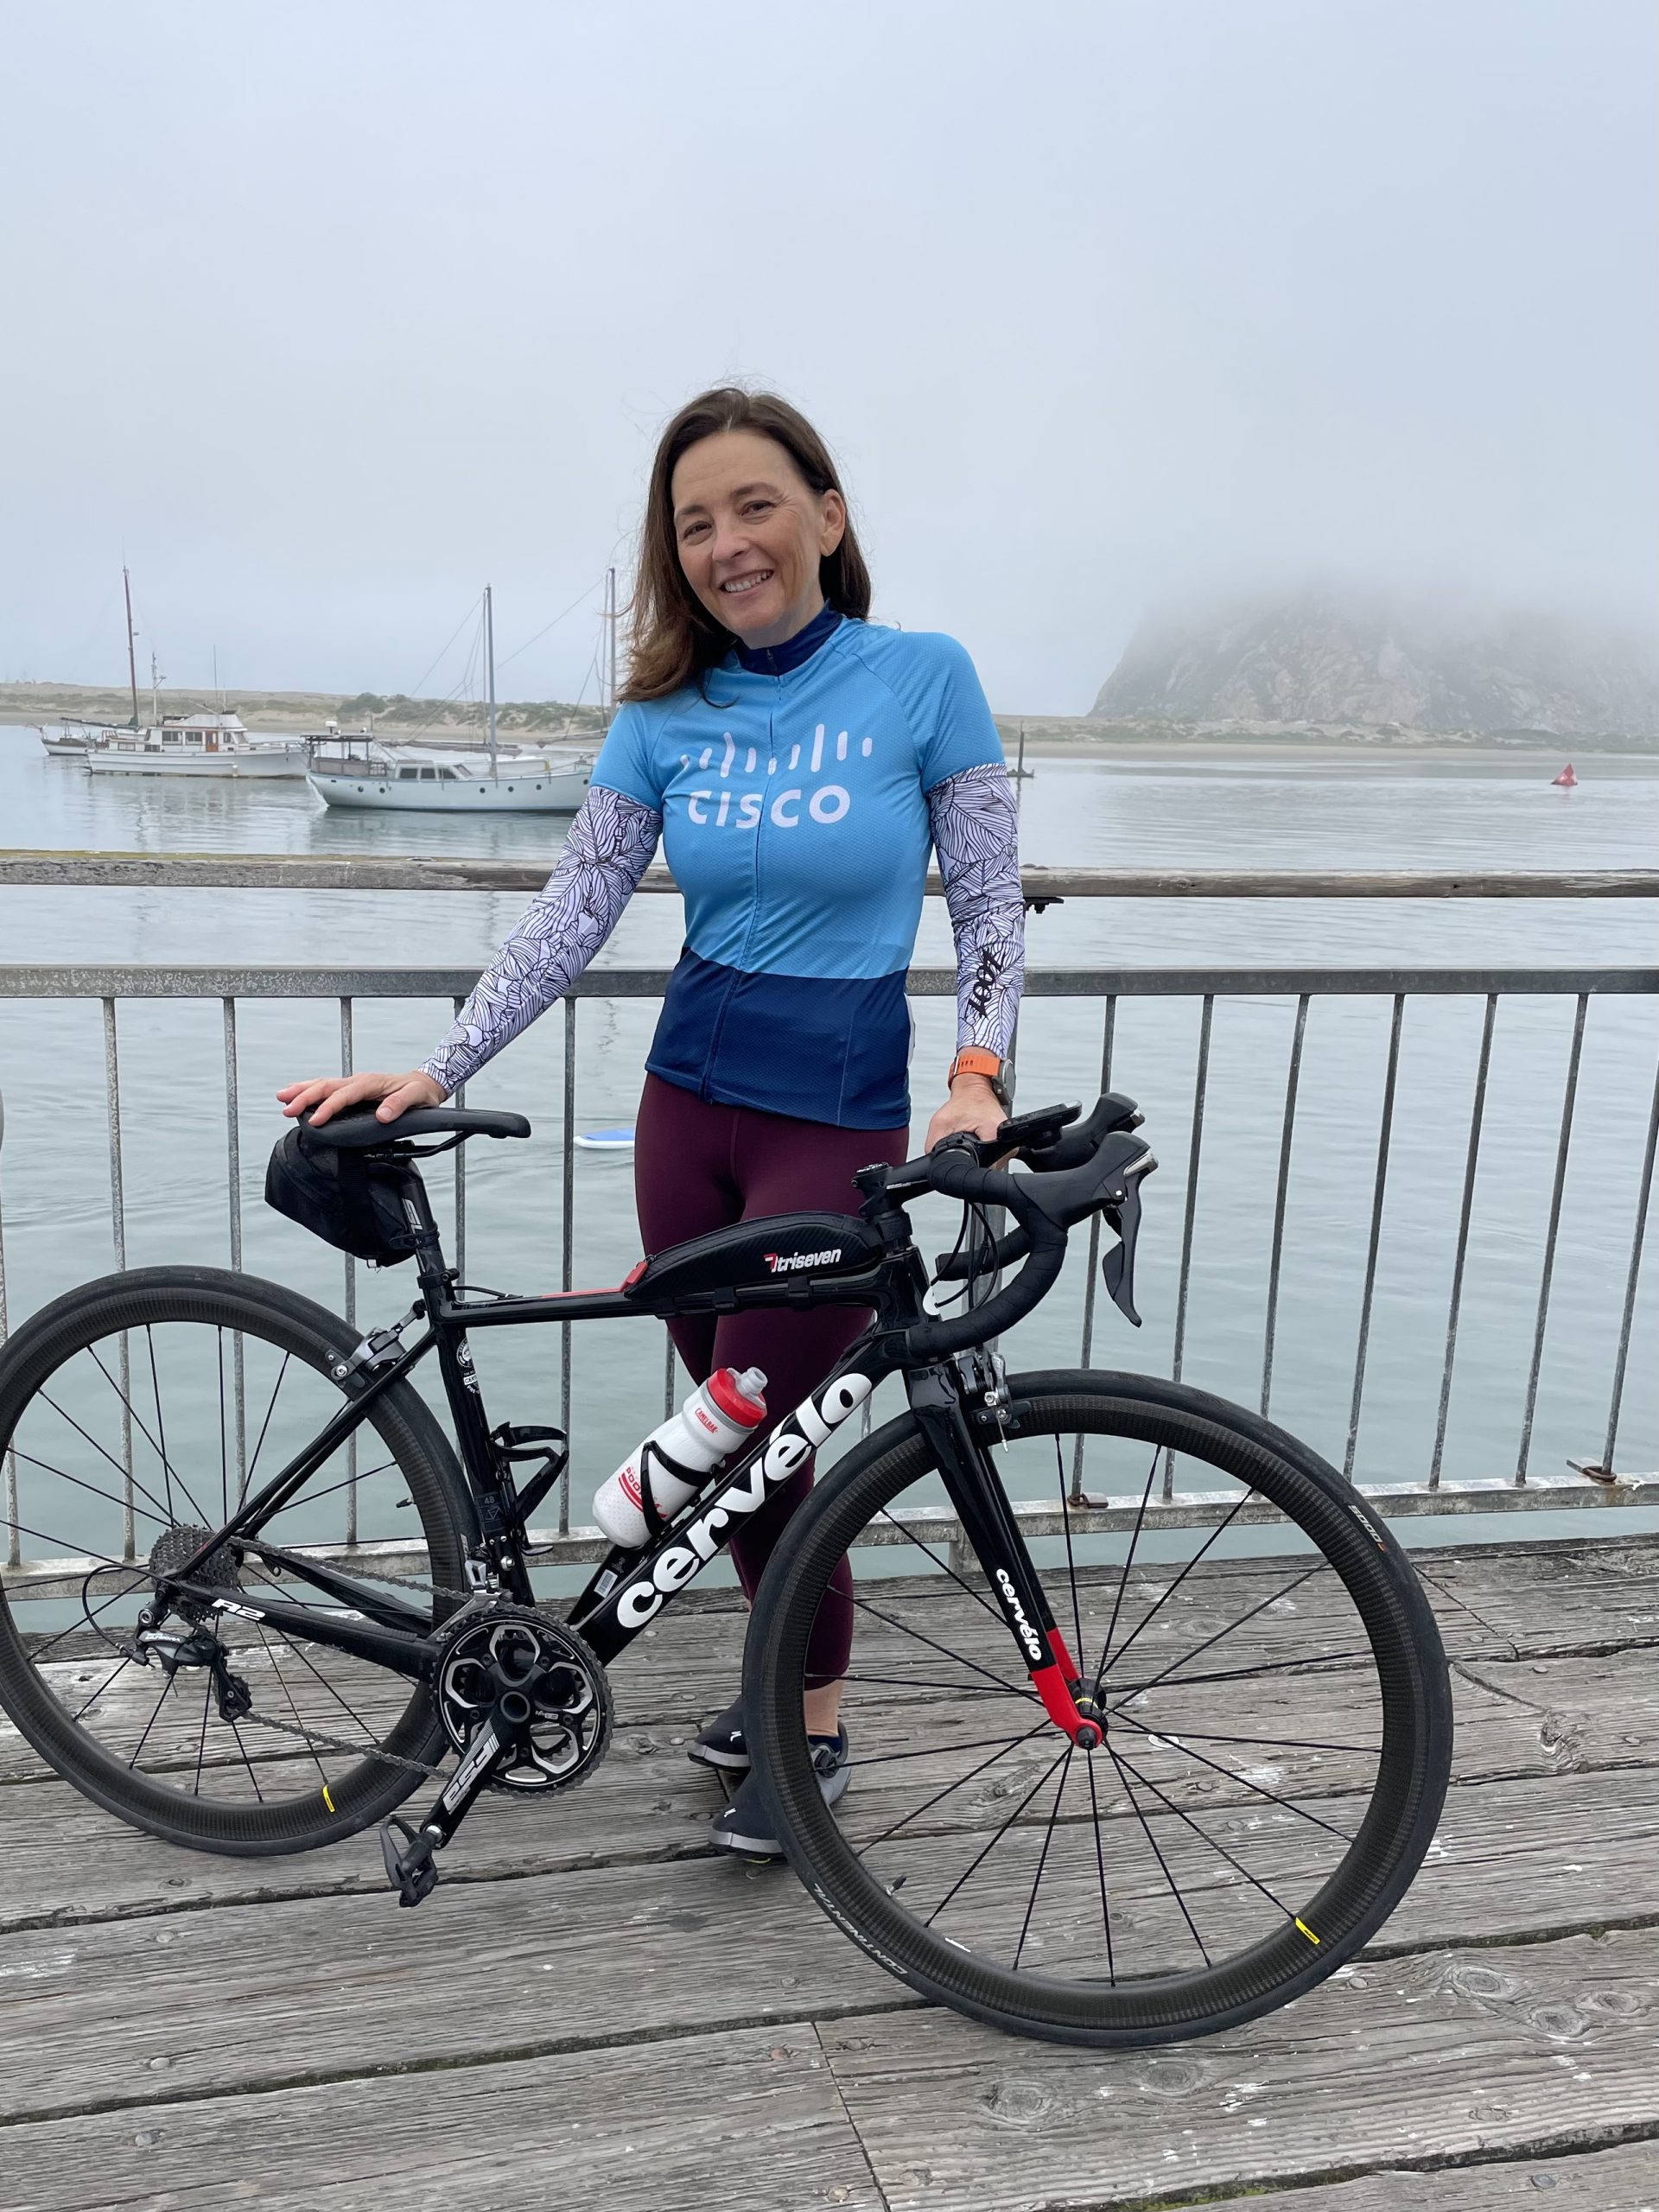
(973,1060)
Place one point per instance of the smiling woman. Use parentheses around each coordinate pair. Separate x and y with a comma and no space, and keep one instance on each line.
(797,763)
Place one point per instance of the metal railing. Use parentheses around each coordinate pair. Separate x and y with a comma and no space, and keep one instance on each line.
(1596,1484)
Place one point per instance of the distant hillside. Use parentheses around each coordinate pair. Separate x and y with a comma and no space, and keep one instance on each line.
(284,711)
(1324,660)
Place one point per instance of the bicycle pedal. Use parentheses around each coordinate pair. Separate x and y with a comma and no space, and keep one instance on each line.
(413,1872)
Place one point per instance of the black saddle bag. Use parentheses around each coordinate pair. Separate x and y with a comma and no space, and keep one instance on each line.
(352,1202)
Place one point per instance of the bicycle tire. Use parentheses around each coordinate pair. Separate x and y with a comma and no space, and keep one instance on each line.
(264,1314)
(1350,1903)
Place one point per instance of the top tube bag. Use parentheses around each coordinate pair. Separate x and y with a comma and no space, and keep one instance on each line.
(352,1202)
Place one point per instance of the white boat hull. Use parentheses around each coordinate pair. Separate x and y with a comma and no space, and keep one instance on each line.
(514,791)
(281,760)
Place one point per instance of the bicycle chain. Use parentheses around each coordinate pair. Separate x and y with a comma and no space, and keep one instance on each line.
(315,1741)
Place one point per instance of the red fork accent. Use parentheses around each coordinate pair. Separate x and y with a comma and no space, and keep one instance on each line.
(1053,1685)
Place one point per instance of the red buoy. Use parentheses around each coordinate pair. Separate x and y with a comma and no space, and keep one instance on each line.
(1567,781)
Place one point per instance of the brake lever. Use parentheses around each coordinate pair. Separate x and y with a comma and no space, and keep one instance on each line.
(1117,1266)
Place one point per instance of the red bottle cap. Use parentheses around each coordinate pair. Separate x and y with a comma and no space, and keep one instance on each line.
(724,1390)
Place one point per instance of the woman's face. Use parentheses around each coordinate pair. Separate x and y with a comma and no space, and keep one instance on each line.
(751,532)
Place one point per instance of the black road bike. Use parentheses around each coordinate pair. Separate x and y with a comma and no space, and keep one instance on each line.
(1112,1786)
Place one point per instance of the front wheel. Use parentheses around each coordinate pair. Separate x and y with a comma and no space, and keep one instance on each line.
(1277,1719)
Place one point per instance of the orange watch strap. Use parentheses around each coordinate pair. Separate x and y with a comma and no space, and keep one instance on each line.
(973,1059)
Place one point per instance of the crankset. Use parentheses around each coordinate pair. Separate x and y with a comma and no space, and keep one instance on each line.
(526,1702)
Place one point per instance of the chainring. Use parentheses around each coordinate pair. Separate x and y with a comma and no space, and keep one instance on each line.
(541,1681)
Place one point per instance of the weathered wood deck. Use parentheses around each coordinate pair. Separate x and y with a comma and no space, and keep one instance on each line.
(595,2010)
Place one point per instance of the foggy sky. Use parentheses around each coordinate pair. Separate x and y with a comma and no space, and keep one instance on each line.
(320,316)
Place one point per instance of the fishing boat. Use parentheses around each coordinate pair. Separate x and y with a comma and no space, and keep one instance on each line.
(1566,781)
(213,744)
(364,771)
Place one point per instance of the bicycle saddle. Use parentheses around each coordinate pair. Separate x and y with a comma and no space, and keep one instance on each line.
(357,1129)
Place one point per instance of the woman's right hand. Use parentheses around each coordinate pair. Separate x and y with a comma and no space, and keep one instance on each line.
(333,1094)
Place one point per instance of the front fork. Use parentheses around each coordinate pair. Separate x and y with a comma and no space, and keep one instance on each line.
(937,1399)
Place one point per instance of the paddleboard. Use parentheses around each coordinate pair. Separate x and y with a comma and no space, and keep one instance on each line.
(605,1139)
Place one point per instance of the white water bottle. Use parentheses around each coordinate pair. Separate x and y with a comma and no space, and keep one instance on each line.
(718,1415)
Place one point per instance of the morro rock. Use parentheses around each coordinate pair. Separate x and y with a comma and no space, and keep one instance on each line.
(1326,659)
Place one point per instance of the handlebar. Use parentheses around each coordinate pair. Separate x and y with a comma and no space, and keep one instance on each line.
(1096,1167)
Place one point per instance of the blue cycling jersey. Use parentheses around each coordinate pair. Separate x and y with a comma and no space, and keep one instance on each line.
(795,822)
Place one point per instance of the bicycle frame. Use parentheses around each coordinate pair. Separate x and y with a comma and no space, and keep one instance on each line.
(631,1588)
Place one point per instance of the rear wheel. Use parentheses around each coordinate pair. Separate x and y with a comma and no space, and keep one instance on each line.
(137,1413)
(1277,1719)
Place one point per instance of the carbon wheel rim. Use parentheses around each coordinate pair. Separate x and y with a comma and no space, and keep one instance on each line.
(1251,1816)
(135,1417)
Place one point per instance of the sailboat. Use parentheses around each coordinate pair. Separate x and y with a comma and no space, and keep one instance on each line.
(1566,781)
(71,738)
(352,770)
(209,742)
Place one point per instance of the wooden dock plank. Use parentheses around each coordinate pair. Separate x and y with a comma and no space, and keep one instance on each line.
(1447,2054)
(134,2010)
(1625,2180)
(747,2122)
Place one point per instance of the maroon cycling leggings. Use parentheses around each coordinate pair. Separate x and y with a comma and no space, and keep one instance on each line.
(697,1168)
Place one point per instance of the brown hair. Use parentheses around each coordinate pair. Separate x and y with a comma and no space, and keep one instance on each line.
(672,638)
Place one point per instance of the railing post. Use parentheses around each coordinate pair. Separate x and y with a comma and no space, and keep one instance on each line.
(1471,1160)
(1200,1084)
(566,1243)
(118,1226)
(233,1176)
(346,1068)
(1293,1081)
(1569,1097)
(1091,1278)
(14,1534)
(1644,1191)
(1385,1131)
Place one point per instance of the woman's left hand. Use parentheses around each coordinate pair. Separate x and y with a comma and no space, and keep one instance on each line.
(972,1105)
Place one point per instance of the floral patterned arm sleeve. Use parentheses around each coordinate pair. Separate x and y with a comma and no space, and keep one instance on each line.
(976,835)
(609,850)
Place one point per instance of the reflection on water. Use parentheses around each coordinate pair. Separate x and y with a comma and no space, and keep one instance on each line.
(54,1175)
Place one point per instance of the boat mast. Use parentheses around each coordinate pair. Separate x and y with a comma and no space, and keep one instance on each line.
(132,663)
(610,642)
(489,667)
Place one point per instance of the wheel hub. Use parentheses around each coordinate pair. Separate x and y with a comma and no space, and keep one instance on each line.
(541,1684)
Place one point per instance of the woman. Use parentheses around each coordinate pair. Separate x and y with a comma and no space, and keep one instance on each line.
(796,763)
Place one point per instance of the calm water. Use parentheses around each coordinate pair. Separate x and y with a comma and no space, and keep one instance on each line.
(53,1173)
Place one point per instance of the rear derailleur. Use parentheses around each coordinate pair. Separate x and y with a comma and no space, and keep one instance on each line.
(202,1647)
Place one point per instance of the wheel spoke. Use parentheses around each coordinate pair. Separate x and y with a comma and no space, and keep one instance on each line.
(1170,1805)
(1244,1783)
(49,1467)
(1145,1826)
(998,1835)
(1100,1865)
(943,1566)
(1243,1621)
(1109,1657)
(1042,1856)
(142,1426)
(940,1796)
(955,1658)
(242,1494)
(160,1513)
